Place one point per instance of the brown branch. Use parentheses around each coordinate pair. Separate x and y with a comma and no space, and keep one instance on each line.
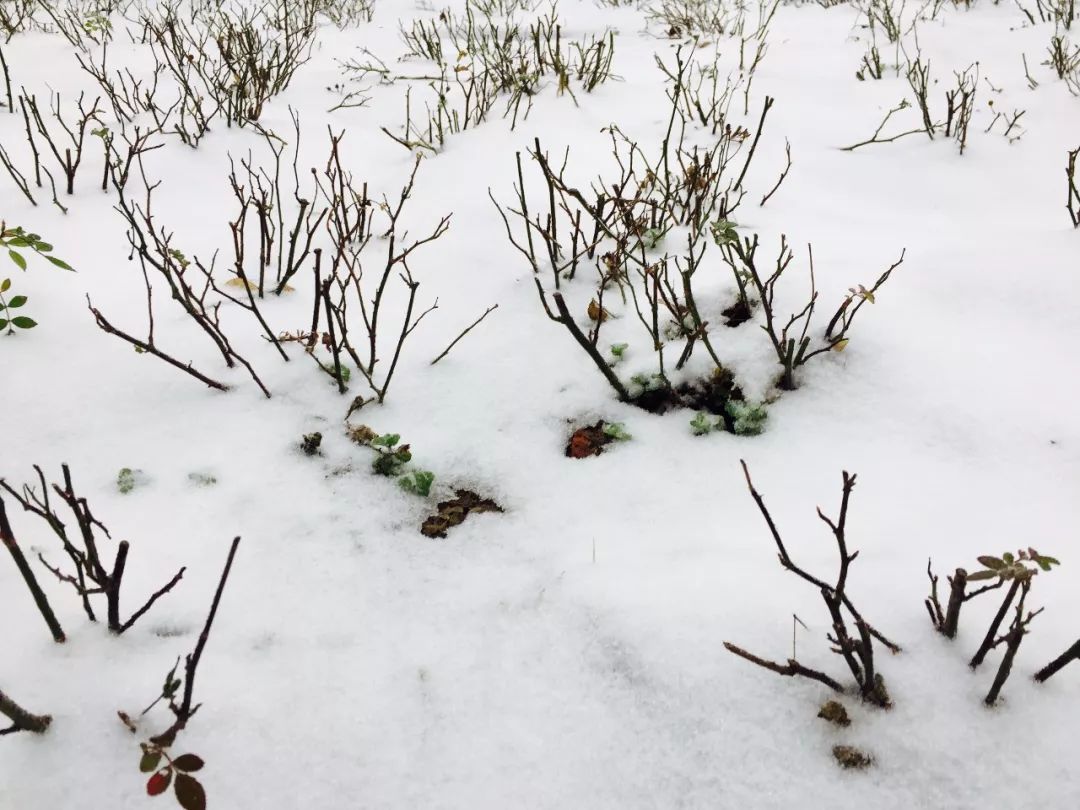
(39,505)
(753,145)
(1012,641)
(150,602)
(947,621)
(957,585)
(858,653)
(112,587)
(567,320)
(335,350)
(21,719)
(991,633)
(1051,669)
(783,174)
(185,711)
(790,669)
(149,348)
(8,538)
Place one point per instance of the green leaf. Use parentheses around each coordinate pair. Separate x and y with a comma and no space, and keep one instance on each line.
(618,349)
(18,259)
(23,322)
(3,323)
(60,263)
(387,464)
(125,481)
(190,793)
(16,301)
(617,431)
(387,439)
(418,482)
(149,761)
(188,763)
(1048,560)
(700,424)
(1008,558)
(171,683)
(5,285)
(978,575)
(43,247)
(992,563)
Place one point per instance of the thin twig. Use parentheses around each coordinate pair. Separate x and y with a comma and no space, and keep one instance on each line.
(468,329)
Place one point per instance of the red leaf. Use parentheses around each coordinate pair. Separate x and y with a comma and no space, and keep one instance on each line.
(159,782)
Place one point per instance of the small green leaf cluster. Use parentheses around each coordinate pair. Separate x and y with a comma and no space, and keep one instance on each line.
(15,240)
(640,383)
(392,458)
(172,683)
(8,319)
(127,479)
(652,237)
(95,24)
(346,372)
(1010,566)
(12,238)
(616,431)
(723,232)
(748,419)
(702,424)
(179,257)
(202,479)
(418,482)
(168,689)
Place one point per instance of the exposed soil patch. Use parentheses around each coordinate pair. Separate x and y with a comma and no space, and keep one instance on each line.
(710,395)
(737,314)
(453,512)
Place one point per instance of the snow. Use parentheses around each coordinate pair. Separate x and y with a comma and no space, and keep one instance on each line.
(568,653)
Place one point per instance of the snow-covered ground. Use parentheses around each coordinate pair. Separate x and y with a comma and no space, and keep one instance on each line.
(568,652)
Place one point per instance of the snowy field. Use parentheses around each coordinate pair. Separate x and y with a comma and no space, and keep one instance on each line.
(568,650)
